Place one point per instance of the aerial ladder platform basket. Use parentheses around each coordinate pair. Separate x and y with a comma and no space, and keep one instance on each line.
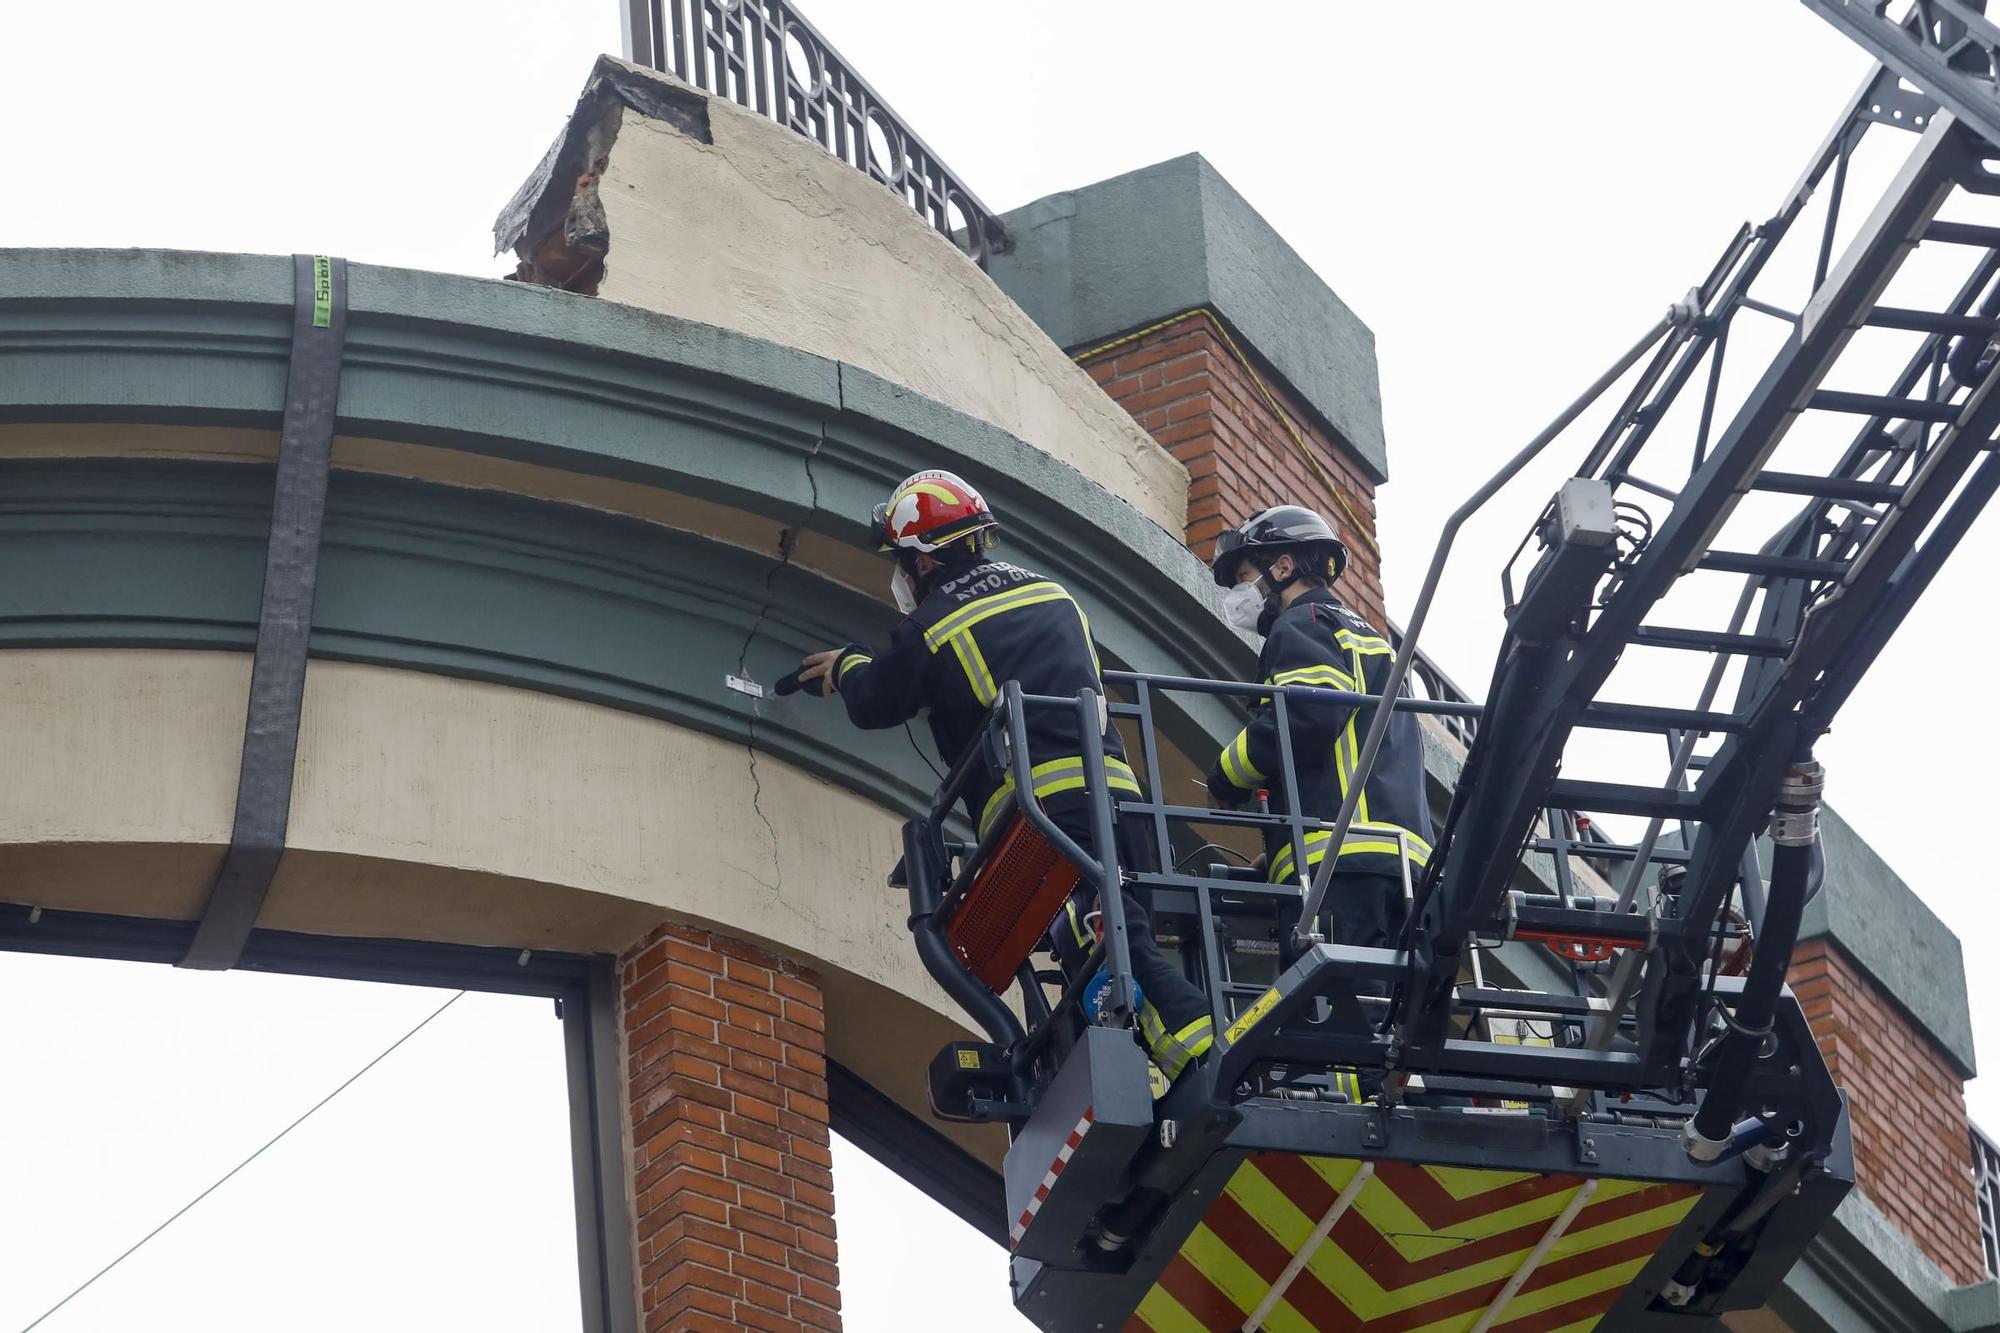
(1598,1105)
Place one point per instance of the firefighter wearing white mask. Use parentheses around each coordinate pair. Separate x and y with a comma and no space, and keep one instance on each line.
(1277,570)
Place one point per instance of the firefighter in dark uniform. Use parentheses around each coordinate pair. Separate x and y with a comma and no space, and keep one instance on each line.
(1277,569)
(970,624)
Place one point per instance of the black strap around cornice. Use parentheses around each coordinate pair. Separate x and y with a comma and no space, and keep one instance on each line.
(291,573)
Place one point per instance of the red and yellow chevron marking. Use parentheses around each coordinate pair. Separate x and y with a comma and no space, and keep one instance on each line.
(1423,1249)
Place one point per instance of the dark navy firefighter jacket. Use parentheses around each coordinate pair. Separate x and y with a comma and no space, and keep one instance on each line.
(984,625)
(1317,641)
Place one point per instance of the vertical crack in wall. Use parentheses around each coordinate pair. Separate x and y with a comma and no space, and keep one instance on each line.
(788,540)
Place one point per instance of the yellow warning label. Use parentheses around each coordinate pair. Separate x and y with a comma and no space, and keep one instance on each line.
(1248,1018)
(1518,1032)
(968,1059)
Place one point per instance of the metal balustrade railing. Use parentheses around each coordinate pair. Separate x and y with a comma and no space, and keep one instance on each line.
(764,55)
(1986,1181)
(1432,683)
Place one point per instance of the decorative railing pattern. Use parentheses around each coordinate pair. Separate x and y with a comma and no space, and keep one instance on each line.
(1429,682)
(1986,1180)
(764,55)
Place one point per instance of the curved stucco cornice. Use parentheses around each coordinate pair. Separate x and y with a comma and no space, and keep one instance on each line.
(552,598)
(589,387)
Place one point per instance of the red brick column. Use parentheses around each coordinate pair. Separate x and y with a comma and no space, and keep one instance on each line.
(1185,385)
(1912,1145)
(731,1170)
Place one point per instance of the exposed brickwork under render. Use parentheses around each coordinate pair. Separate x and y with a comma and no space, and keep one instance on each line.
(1912,1148)
(1185,386)
(731,1170)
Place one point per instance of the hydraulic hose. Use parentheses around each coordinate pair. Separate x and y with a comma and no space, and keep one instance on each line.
(1816,877)
(1794,830)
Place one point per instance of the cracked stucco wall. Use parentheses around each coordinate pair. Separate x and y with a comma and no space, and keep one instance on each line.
(430,807)
(762,232)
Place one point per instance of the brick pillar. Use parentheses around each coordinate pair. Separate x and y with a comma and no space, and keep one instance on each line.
(1185,385)
(1912,1143)
(731,1170)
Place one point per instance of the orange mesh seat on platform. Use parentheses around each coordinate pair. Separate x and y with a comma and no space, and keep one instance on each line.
(1019,890)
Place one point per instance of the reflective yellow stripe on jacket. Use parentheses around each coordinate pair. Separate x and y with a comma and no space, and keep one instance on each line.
(1172,1051)
(1027,594)
(1235,762)
(1327,675)
(1347,755)
(956,630)
(1058,775)
(1370,838)
(1236,765)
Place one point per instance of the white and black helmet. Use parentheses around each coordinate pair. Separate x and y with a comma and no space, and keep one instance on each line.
(1279,530)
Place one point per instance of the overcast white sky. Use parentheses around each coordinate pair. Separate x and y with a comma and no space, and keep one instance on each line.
(1506,198)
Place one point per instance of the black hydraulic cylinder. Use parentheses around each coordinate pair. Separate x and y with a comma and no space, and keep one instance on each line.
(921,868)
(1736,1055)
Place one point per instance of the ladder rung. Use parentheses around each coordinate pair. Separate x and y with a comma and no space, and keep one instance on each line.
(1828,488)
(1963,233)
(1540,1002)
(1929,321)
(1619,798)
(1607,851)
(1650,717)
(1878,405)
(1625,929)
(1779,566)
(1709,641)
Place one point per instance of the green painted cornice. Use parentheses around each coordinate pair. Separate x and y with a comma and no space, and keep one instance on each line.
(592,387)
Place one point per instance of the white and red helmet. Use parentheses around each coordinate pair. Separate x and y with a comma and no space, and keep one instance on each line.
(929,510)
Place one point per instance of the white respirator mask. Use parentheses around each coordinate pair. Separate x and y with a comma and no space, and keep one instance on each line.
(1243,605)
(904,591)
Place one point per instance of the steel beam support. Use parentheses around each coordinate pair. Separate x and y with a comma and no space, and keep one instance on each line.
(916,1151)
(1835,639)
(284,622)
(1499,816)
(1924,55)
(589,1011)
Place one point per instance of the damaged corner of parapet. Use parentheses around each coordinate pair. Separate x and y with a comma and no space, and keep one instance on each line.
(555,223)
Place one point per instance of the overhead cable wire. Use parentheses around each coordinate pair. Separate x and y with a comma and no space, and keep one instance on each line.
(184,1208)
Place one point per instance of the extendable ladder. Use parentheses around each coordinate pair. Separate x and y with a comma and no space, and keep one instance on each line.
(1668,1140)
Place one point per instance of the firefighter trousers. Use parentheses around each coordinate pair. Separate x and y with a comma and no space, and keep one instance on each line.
(1174,1020)
(1364,909)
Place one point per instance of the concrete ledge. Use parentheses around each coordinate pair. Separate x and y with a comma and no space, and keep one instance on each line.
(466,812)
(1881,923)
(1863,1275)
(1093,263)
